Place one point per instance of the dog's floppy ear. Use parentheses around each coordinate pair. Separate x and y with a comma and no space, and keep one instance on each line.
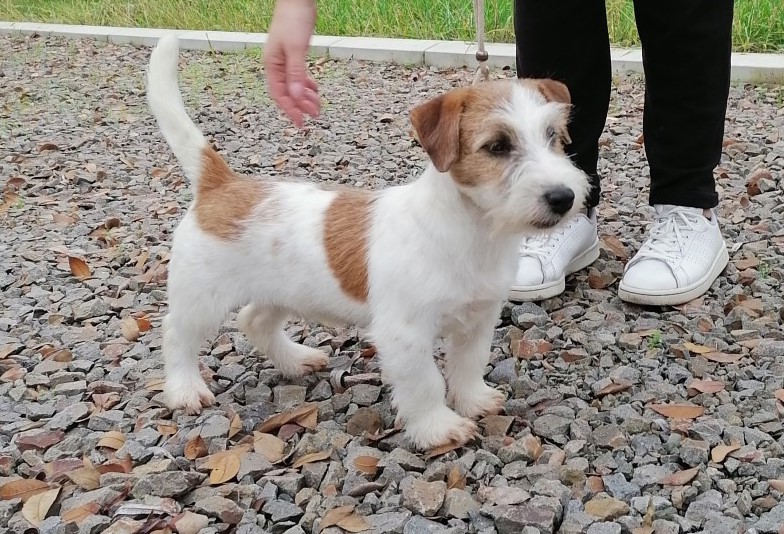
(437,125)
(554,91)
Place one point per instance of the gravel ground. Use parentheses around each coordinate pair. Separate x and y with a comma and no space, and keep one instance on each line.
(618,419)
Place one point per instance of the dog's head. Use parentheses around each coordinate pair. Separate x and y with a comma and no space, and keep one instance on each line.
(502,142)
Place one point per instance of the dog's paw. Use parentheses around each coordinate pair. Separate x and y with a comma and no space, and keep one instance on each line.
(440,427)
(190,397)
(304,360)
(476,404)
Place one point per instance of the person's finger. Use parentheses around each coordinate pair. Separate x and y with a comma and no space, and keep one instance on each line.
(310,103)
(310,83)
(291,109)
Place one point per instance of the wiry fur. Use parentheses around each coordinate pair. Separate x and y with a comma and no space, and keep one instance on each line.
(439,253)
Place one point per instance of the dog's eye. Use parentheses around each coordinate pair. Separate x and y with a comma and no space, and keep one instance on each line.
(499,147)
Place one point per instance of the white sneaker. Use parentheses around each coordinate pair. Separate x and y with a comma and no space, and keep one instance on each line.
(547,258)
(679,261)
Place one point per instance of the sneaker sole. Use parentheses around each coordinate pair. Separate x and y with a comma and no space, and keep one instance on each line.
(678,296)
(556,287)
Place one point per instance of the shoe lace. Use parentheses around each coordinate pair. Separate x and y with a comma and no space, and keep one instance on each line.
(542,243)
(669,234)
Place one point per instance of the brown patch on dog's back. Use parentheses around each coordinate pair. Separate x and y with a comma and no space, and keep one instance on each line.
(346,235)
(225,200)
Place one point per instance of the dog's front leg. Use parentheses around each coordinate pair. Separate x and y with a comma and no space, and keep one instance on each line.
(467,354)
(418,389)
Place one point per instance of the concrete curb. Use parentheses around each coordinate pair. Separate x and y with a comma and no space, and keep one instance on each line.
(751,68)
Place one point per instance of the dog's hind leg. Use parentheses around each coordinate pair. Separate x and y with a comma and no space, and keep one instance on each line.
(264,328)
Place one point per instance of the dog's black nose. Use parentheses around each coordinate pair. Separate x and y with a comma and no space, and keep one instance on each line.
(560,199)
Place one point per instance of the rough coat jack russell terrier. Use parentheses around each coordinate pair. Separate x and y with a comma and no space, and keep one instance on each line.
(410,264)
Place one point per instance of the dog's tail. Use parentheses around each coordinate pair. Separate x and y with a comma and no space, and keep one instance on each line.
(165,100)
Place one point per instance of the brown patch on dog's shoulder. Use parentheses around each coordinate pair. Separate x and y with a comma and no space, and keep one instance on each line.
(225,200)
(346,235)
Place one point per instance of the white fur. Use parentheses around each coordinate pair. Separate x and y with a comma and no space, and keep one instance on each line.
(441,259)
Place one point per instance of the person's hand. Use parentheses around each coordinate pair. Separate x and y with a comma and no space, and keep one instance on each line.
(294,91)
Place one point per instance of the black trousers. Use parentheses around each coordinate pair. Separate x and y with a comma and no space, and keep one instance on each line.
(686,47)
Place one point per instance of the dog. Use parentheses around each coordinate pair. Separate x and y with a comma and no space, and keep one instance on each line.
(411,264)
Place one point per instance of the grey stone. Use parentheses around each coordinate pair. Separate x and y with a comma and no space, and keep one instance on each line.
(389,522)
(365,394)
(549,426)
(459,503)
(279,510)
(617,486)
(770,522)
(604,527)
(422,497)
(288,396)
(405,459)
(694,452)
(504,371)
(511,519)
(167,484)
(68,416)
(224,509)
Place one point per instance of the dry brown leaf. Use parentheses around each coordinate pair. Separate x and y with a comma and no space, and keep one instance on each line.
(721,357)
(680,478)
(678,411)
(312,457)
(777,484)
(7,350)
(213,460)
(779,394)
(354,523)
(47,146)
(698,349)
(335,515)
(643,530)
(167,428)
(80,513)
(705,386)
(443,449)
(105,401)
(22,489)
(79,268)
(118,465)
(720,452)
(366,464)
(130,328)
(613,388)
(195,448)
(235,426)
(37,506)
(305,415)
(271,447)
(86,478)
(156,384)
(226,469)
(615,246)
(143,322)
(455,479)
(13,374)
(112,440)
(144,255)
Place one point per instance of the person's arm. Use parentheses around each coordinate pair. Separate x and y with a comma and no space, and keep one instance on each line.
(293,90)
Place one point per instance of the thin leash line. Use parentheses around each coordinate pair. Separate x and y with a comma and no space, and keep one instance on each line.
(482,72)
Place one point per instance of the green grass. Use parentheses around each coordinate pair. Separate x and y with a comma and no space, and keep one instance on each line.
(759,24)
